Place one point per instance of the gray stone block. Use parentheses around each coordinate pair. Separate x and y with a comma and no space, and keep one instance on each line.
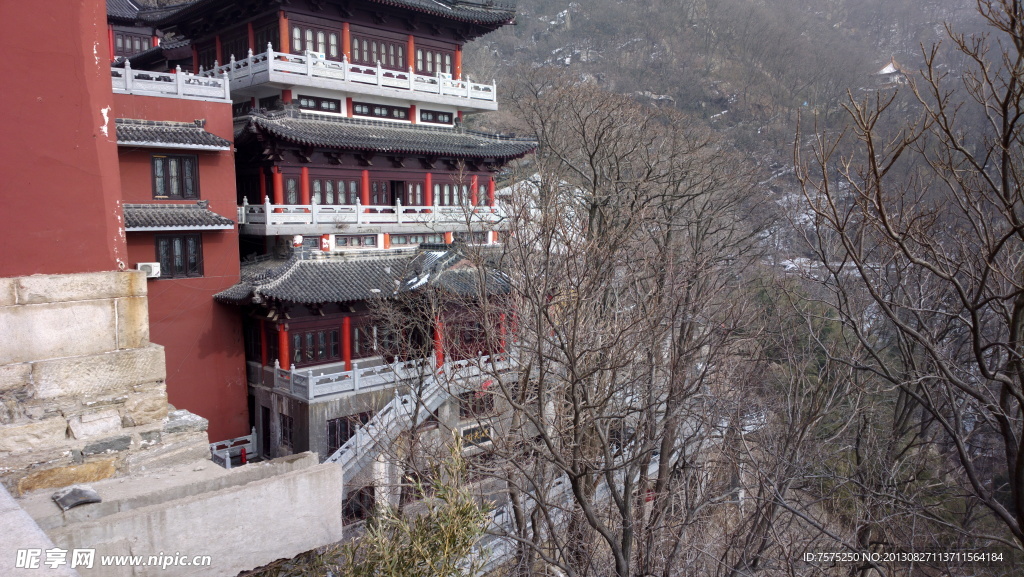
(95,375)
(113,444)
(95,423)
(181,421)
(78,287)
(49,331)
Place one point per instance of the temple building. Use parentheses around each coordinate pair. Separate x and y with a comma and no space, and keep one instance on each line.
(287,167)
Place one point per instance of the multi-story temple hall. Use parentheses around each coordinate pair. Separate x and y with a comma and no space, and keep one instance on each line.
(285,164)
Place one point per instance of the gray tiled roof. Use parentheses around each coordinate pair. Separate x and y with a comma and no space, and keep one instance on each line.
(153,217)
(480,11)
(161,134)
(156,14)
(312,278)
(474,11)
(315,277)
(122,9)
(386,137)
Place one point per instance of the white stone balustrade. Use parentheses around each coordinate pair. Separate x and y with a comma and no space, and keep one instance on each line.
(313,382)
(331,214)
(310,69)
(175,84)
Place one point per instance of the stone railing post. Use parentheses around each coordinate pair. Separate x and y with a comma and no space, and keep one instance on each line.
(359,212)
(179,81)
(380,74)
(128,75)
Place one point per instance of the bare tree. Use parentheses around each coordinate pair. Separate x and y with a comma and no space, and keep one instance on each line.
(627,275)
(925,220)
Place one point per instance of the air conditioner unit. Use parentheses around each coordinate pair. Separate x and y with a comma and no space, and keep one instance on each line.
(152,269)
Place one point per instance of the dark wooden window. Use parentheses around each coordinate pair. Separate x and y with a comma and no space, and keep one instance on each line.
(451,194)
(291,191)
(241,108)
(266,34)
(314,347)
(351,240)
(433,61)
(287,430)
(264,431)
(235,44)
(341,430)
(380,111)
(413,194)
(175,176)
(436,117)
(475,404)
(358,505)
(320,104)
(207,54)
(368,51)
(404,239)
(126,44)
(315,39)
(270,103)
(180,255)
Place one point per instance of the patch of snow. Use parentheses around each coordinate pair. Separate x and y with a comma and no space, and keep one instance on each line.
(106,121)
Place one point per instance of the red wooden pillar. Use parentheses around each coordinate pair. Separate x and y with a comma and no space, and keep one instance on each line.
(110,41)
(282,32)
(346,342)
(412,114)
(438,342)
(156,41)
(304,186)
(501,332)
(458,63)
(346,41)
(251,34)
(278,187)
(490,192)
(284,357)
(429,193)
(448,237)
(387,240)
(364,192)
(219,49)
(286,96)
(474,190)
(263,186)
(263,345)
(348,107)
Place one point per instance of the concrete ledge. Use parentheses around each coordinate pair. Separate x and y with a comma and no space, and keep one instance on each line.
(21,532)
(242,518)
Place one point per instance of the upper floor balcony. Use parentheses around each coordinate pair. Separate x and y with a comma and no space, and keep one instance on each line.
(308,219)
(310,69)
(175,84)
(372,374)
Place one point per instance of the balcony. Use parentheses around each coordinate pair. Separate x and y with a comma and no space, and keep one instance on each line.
(175,84)
(278,219)
(372,374)
(311,69)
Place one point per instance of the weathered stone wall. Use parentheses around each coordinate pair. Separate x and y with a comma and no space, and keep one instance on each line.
(82,394)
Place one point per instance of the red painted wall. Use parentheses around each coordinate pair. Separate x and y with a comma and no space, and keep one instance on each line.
(58,154)
(202,339)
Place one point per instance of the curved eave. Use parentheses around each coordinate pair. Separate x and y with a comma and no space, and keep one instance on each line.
(178,146)
(277,133)
(166,228)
